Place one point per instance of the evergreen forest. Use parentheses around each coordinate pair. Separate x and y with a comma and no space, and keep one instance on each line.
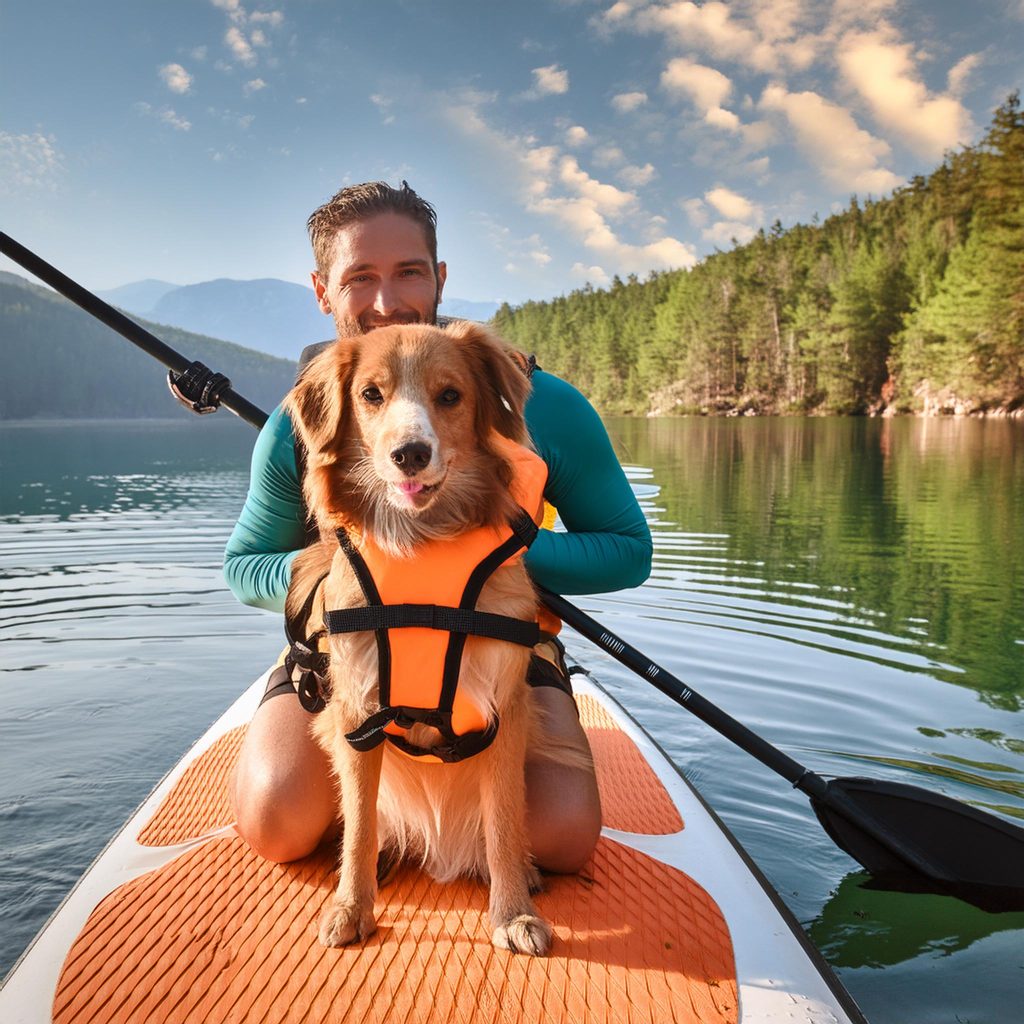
(911,303)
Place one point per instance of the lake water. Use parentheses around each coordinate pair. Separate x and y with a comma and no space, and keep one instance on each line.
(851,589)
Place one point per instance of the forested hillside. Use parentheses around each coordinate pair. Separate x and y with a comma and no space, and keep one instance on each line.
(60,363)
(910,303)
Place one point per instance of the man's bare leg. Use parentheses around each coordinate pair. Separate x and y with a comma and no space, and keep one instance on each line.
(563,808)
(286,802)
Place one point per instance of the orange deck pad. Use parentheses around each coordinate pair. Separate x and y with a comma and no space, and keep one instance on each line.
(220,935)
(632,797)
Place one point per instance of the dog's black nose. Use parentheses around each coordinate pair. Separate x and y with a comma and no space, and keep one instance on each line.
(412,457)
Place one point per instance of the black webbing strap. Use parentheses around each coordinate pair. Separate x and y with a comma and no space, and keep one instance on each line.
(433,616)
(372,734)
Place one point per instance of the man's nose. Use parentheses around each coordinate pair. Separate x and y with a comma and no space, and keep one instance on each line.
(386,300)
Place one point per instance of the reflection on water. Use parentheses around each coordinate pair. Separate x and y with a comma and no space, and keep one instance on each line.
(852,590)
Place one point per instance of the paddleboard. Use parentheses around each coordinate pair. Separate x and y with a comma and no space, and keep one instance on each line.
(178,921)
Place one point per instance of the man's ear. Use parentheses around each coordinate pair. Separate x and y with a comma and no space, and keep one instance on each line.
(442,275)
(502,398)
(320,291)
(316,403)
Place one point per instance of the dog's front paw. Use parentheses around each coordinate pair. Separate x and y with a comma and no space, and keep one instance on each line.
(344,923)
(524,934)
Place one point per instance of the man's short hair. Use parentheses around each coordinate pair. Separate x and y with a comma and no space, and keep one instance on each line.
(357,202)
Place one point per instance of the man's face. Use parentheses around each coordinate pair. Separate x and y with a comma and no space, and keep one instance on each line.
(381,274)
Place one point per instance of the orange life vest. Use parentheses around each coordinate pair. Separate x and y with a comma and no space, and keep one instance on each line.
(422,609)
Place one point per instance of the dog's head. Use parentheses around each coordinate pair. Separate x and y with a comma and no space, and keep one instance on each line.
(398,427)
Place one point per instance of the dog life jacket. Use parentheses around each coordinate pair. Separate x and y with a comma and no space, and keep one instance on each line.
(423,608)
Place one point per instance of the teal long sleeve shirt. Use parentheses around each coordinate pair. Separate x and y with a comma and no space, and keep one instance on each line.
(607,545)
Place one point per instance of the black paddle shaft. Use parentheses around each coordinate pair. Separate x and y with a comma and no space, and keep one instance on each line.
(116,320)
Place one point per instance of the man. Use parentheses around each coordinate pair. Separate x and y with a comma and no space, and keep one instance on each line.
(376,264)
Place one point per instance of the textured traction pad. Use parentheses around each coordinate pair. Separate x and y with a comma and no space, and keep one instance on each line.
(632,797)
(220,935)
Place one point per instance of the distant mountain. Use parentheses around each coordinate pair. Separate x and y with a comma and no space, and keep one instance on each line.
(269,315)
(139,297)
(465,309)
(276,317)
(61,363)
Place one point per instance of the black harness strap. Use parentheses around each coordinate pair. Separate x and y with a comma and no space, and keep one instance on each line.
(433,616)
(305,664)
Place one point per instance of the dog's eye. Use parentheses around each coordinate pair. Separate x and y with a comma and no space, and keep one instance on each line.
(372,395)
(449,396)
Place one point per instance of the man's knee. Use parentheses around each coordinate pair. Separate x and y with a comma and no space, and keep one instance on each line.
(564,819)
(271,821)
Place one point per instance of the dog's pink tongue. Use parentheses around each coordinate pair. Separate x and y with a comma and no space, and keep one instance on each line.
(410,487)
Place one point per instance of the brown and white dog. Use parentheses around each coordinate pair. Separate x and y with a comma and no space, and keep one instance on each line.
(399,427)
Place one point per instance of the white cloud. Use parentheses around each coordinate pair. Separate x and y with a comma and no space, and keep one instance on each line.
(577,135)
(240,46)
(764,43)
(723,232)
(551,80)
(176,78)
(253,85)
(707,88)
(272,18)
(637,177)
(961,71)
(626,102)
(247,31)
(696,211)
(732,205)
(199,53)
(882,70)
(607,156)
(383,104)
(827,133)
(168,116)
(606,199)
(29,161)
(593,274)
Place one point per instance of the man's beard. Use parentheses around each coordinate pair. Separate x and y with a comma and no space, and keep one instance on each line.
(351,327)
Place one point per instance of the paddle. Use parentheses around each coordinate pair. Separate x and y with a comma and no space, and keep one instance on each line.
(904,835)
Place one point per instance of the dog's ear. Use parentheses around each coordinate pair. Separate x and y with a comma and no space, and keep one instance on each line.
(505,389)
(316,403)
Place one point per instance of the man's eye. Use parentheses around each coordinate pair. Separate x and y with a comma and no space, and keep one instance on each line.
(449,396)
(372,395)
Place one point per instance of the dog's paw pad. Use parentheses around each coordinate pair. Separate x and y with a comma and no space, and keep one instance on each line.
(343,923)
(524,934)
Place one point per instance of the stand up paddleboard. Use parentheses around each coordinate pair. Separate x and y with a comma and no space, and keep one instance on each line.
(670,921)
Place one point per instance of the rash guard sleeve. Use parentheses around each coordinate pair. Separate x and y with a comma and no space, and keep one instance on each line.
(270,531)
(606,544)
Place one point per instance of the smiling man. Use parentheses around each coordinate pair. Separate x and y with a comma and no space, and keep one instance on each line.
(376,264)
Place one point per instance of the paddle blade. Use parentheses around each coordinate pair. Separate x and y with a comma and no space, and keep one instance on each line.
(928,840)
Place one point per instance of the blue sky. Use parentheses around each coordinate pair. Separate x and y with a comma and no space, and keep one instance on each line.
(562,141)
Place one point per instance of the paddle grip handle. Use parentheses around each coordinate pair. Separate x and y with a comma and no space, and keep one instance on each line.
(794,772)
(117,321)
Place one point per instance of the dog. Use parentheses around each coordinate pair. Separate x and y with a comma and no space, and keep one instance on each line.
(408,431)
